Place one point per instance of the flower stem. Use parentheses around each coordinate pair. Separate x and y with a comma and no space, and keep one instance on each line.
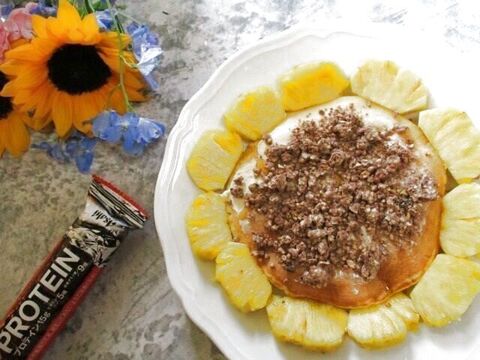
(120,56)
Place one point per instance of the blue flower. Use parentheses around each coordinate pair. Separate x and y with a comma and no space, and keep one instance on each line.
(43,9)
(77,148)
(104,19)
(147,50)
(5,9)
(133,132)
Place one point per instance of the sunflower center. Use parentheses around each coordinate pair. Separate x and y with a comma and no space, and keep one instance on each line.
(6,106)
(77,69)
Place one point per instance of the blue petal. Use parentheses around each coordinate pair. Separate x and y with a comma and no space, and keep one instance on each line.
(104,19)
(147,50)
(5,9)
(149,130)
(84,161)
(133,148)
(44,10)
(108,127)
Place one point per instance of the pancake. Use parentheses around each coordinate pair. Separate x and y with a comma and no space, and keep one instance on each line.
(401,266)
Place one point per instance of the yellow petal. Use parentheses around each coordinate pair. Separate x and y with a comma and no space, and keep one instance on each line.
(30,77)
(24,52)
(9,89)
(68,14)
(17,135)
(113,40)
(135,95)
(62,113)
(43,104)
(117,102)
(84,112)
(133,80)
(39,25)
(90,28)
(57,30)
(11,67)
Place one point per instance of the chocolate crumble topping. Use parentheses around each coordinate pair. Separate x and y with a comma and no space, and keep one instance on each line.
(339,196)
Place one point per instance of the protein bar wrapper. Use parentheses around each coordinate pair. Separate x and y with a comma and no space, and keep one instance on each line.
(63,280)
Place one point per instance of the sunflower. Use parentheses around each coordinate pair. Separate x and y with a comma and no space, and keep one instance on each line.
(70,72)
(14,135)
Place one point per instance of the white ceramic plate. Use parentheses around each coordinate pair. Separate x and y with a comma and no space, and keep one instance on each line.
(452,80)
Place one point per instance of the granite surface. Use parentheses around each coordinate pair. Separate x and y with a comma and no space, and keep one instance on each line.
(132,313)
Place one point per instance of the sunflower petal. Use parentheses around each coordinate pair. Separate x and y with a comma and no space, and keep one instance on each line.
(9,89)
(84,112)
(133,79)
(43,103)
(39,24)
(11,67)
(90,28)
(30,77)
(113,40)
(23,52)
(2,137)
(17,135)
(68,14)
(117,102)
(62,113)
(37,123)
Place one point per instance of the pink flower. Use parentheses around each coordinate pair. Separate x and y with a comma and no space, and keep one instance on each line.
(19,24)
(4,43)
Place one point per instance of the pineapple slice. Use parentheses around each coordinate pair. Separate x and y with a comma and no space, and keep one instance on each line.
(312,325)
(383,325)
(456,139)
(255,113)
(446,290)
(207,225)
(244,282)
(460,235)
(384,83)
(311,84)
(213,159)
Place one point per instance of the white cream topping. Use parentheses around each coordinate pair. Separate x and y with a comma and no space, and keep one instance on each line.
(370,115)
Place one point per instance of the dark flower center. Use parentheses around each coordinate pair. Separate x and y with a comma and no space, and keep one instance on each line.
(6,106)
(77,69)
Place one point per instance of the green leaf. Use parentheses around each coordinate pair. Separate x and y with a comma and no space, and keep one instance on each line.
(89,6)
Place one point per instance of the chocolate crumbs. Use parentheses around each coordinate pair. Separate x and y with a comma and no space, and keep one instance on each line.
(338,196)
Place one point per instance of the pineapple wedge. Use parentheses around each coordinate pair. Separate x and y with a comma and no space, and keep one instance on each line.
(306,323)
(244,282)
(255,113)
(207,225)
(456,140)
(446,290)
(384,83)
(213,159)
(311,84)
(385,324)
(460,234)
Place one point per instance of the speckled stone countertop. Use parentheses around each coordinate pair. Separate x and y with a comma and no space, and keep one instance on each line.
(132,312)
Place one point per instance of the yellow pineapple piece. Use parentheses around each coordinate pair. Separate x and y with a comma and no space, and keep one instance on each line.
(213,159)
(255,113)
(383,325)
(446,290)
(460,234)
(311,84)
(384,83)
(207,225)
(456,139)
(306,323)
(244,282)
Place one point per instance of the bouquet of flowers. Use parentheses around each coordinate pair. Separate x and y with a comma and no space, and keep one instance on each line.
(73,69)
